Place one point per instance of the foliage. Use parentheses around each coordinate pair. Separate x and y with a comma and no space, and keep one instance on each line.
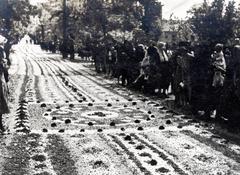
(182,29)
(108,20)
(151,21)
(14,19)
(213,22)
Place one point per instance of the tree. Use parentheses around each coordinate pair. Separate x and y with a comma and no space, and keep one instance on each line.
(237,31)
(108,20)
(151,21)
(212,22)
(95,16)
(181,28)
(14,19)
(230,20)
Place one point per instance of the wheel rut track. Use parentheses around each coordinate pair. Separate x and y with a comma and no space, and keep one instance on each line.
(55,77)
(25,80)
(124,150)
(61,82)
(71,80)
(134,157)
(77,72)
(56,70)
(161,154)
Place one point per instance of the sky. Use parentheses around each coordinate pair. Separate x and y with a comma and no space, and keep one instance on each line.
(34,2)
(178,7)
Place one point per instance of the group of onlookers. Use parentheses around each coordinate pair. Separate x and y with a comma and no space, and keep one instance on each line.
(203,77)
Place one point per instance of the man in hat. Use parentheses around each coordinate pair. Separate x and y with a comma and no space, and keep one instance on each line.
(182,75)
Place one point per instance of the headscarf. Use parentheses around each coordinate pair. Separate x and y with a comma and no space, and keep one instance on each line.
(3,40)
(162,53)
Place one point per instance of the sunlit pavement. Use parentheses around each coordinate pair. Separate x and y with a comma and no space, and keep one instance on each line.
(67,120)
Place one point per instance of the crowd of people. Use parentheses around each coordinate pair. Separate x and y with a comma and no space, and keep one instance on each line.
(203,78)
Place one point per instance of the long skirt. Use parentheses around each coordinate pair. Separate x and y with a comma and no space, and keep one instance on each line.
(4,109)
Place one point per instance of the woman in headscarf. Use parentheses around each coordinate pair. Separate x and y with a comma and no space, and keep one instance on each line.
(218,69)
(4,109)
(219,66)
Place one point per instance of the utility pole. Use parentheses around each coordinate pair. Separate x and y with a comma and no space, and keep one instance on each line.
(42,33)
(64,28)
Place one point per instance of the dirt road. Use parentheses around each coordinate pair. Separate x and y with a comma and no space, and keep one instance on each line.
(67,120)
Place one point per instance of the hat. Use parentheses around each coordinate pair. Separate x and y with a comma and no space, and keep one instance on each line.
(161,44)
(237,39)
(218,47)
(142,46)
(183,48)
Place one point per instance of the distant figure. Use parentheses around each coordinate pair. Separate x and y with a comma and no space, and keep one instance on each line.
(3,88)
(63,49)
(236,61)
(71,49)
(122,58)
(111,60)
(131,64)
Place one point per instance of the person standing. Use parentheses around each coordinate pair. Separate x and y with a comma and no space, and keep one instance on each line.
(219,66)
(230,100)
(141,54)
(165,69)
(182,76)
(236,61)
(4,109)
(218,69)
(152,82)
(71,49)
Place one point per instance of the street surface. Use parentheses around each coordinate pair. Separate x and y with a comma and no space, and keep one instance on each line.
(67,120)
